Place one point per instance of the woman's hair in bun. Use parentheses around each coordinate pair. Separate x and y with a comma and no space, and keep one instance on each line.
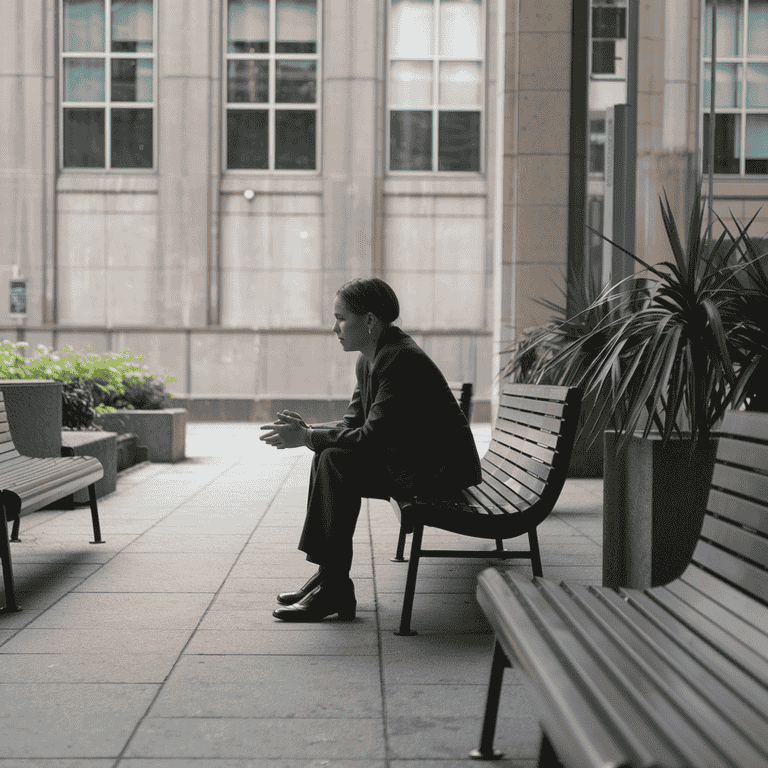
(370,294)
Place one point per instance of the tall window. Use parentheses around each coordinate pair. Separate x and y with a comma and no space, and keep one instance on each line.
(741,87)
(107,84)
(436,84)
(272,75)
(609,39)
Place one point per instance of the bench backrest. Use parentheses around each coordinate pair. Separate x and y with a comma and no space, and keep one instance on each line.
(462,391)
(733,544)
(527,460)
(7,448)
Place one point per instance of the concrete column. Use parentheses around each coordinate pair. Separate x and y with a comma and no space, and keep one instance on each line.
(352,143)
(543,159)
(188,157)
(667,120)
(28,153)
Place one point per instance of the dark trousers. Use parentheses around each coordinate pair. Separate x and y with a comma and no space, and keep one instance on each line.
(341,478)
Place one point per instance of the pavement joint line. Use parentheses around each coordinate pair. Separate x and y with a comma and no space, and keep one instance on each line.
(192,634)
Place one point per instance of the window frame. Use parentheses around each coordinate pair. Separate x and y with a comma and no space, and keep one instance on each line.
(743,60)
(107,105)
(271,105)
(435,109)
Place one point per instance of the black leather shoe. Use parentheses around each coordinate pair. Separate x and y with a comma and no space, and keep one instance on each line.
(289,598)
(321,602)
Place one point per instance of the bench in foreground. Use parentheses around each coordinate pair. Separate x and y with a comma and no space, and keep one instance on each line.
(669,676)
(28,484)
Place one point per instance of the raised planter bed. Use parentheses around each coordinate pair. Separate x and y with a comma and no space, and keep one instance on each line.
(163,433)
(34,415)
(129,452)
(100,445)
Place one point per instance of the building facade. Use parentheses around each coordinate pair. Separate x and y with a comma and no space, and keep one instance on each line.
(194,179)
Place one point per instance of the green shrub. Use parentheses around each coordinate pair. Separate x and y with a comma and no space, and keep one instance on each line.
(76,405)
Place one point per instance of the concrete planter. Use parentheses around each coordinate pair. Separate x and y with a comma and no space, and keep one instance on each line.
(653,508)
(34,415)
(100,445)
(162,433)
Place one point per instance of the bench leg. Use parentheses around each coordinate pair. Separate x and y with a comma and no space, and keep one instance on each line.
(94,515)
(486,751)
(410,583)
(533,540)
(11,605)
(400,554)
(547,756)
(15,530)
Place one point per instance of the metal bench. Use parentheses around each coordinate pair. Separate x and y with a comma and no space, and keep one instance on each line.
(524,470)
(29,484)
(675,675)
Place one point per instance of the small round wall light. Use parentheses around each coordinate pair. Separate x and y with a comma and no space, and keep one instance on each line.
(249,194)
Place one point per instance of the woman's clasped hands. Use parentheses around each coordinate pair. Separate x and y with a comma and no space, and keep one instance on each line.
(288,431)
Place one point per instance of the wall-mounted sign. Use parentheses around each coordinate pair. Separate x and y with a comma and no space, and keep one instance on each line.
(18,297)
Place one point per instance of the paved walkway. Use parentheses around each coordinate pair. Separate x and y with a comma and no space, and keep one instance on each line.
(158,648)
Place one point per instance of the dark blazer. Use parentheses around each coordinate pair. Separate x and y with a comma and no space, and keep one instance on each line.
(404,413)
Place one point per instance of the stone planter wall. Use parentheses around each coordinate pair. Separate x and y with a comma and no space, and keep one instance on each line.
(100,445)
(653,506)
(34,415)
(163,433)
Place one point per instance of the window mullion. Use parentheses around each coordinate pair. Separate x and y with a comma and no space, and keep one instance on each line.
(107,86)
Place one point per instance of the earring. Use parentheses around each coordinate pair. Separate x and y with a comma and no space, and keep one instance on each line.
(369,331)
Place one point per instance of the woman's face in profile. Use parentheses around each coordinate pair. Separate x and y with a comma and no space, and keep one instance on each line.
(350,328)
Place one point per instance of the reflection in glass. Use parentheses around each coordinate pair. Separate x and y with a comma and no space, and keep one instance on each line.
(295,81)
(730,25)
(603,57)
(131,26)
(131,138)
(296,26)
(609,22)
(83,25)
(727,143)
(756,144)
(247,138)
(757,32)
(131,80)
(83,138)
(410,140)
(757,85)
(410,83)
(460,29)
(83,79)
(727,87)
(412,25)
(460,83)
(458,141)
(248,26)
(295,139)
(248,82)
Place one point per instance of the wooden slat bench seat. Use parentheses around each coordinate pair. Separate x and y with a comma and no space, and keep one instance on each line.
(28,484)
(672,676)
(524,470)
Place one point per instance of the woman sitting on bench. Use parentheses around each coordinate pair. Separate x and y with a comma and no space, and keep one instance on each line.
(403,435)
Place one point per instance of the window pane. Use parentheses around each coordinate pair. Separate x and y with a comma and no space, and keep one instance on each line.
(730,23)
(247,138)
(461,83)
(83,25)
(295,81)
(727,143)
(458,142)
(83,79)
(410,140)
(757,85)
(609,22)
(603,57)
(131,138)
(296,26)
(460,29)
(757,32)
(295,139)
(83,138)
(412,28)
(756,144)
(131,26)
(727,87)
(248,25)
(410,83)
(248,82)
(131,80)
(597,157)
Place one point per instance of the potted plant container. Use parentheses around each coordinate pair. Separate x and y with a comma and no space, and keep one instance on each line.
(34,415)
(161,432)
